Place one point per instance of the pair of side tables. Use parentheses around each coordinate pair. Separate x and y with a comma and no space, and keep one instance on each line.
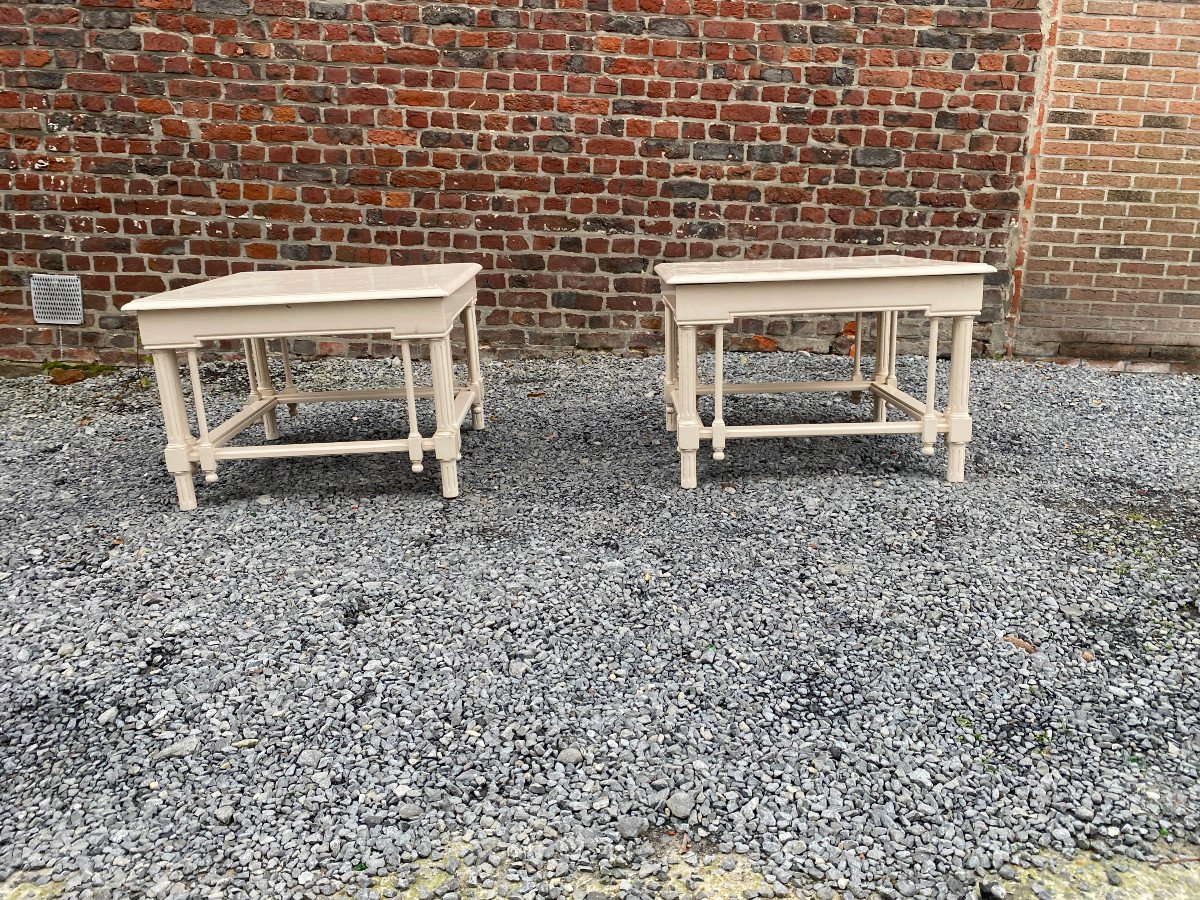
(423,303)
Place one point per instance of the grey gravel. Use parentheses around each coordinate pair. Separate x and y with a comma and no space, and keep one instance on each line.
(630,827)
(802,662)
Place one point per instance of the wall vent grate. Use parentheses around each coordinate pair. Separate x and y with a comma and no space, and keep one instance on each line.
(57,299)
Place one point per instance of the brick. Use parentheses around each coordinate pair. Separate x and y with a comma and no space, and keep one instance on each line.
(570,146)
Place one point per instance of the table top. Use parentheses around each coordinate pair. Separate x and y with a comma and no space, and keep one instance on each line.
(740,271)
(314,286)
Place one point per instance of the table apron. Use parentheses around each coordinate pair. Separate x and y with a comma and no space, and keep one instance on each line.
(723,304)
(406,319)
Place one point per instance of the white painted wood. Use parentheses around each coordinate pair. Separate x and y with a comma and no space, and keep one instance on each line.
(718,293)
(255,306)
(893,396)
(355,395)
(175,423)
(248,353)
(688,422)
(415,447)
(289,385)
(474,369)
(929,432)
(330,448)
(262,372)
(446,439)
(786,387)
(206,457)
(817,429)
(957,414)
(289,287)
(752,271)
(718,425)
(883,344)
(671,369)
(244,418)
(855,396)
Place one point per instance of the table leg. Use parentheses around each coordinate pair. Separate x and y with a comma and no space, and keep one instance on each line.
(445,440)
(671,370)
(855,396)
(883,347)
(179,436)
(929,420)
(894,334)
(289,384)
(688,422)
(265,388)
(474,370)
(718,426)
(957,414)
(416,453)
(204,448)
(251,378)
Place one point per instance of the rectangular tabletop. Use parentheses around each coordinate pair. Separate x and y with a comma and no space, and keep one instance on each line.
(720,291)
(403,301)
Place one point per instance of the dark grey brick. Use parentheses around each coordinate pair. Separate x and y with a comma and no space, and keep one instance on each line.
(941,39)
(719,150)
(222,7)
(1127,196)
(777,75)
(1068,117)
(1089,134)
(624,24)
(448,15)
(119,40)
(672,27)
(1178,122)
(328,11)
(661,147)
(609,224)
(771,153)
(685,189)
(469,59)
(877,156)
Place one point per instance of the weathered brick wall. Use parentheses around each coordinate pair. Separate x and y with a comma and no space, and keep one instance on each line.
(1112,264)
(566,145)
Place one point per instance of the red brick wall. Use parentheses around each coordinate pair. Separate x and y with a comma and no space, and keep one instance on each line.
(567,145)
(1112,263)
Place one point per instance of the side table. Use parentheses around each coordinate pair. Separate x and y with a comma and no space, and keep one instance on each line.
(714,294)
(410,303)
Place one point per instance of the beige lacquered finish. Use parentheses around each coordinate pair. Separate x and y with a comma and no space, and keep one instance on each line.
(714,294)
(410,303)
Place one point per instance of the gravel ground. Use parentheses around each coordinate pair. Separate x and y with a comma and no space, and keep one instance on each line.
(864,681)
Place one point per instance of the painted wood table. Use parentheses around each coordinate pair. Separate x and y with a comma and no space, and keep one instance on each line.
(700,295)
(409,303)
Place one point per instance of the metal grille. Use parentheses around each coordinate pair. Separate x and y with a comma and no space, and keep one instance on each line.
(57,299)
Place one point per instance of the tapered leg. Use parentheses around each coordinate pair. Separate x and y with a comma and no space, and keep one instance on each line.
(855,396)
(957,415)
(179,437)
(688,421)
(929,420)
(718,425)
(883,355)
(289,383)
(894,335)
(671,358)
(474,370)
(446,439)
(265,387)
(253,396)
